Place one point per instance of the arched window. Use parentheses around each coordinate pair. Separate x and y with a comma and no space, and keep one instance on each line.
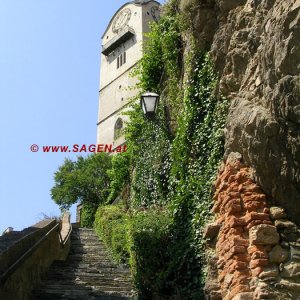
(118,128)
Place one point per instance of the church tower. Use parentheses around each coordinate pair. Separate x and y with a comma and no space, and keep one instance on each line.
(122,48)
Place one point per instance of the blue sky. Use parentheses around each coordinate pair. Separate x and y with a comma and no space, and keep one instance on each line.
(49,81)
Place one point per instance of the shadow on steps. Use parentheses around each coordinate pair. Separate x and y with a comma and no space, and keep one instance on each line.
(87,273)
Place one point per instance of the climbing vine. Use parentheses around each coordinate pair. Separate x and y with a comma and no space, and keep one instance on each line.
(196,153)
(173,168)
(149,141)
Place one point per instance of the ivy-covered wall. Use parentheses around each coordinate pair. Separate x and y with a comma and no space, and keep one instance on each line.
(170,165)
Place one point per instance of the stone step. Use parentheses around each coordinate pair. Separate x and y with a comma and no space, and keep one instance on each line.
(82,242)
(75,257)
(72,269)
(113,285)
(87,250)
(100,278)
(85,237)
(100,289)
(66,297)
(108,284)
(88,273)
(90,260)
(79,293)
(73,274)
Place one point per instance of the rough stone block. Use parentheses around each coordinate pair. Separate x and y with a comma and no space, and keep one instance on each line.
(272,271)
(234,158)
(240,277)
(263,234)
(235,222)
(239,241)
(284,224)
(295,252)
(234,207)
(258,222)
(212,288)
(258,263)
(239,289)
(238,249)
(220,263)
(259,255)
(254,205)
(263,292)
(227,280)
(290,269)
(243,296)
(256,271)
(211,231)
(241,257)
(254,248)
(278,255)
(256,216)
(237,265)
(291,286)
(277,213)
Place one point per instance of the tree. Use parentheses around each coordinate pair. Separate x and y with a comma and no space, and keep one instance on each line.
(83,180)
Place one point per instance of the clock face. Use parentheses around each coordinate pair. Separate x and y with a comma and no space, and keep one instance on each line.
(155,12)
(121,20)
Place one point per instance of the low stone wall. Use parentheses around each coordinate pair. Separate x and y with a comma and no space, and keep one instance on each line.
(257,249)
(21,281)
(23,241)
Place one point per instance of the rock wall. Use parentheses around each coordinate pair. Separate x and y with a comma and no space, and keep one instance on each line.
(256,50)
(255,46)
(257,249)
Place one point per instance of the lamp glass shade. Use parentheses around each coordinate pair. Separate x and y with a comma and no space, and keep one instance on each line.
(149,103)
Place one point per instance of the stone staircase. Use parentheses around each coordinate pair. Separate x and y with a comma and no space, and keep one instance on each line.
(88,273)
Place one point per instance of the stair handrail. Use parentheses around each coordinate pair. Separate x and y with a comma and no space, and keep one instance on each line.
(65,221)
(4,276)
(7,230)
(64,241)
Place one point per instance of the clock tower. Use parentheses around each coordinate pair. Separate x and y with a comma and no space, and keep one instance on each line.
(122,48)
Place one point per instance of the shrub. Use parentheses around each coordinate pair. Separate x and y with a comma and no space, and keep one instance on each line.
(119,175)
(87,215)
(110,224)
(145,236)
(149,238)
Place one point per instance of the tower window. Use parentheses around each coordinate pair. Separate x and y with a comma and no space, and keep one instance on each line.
(118,130)
(121,60)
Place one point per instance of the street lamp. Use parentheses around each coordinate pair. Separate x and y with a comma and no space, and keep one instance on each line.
(149,103)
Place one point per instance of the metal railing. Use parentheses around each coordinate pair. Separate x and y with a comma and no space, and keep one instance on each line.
(8,230)
(64,241)
(13,267)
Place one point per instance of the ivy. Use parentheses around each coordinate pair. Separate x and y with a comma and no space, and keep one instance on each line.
(148,144)
(119,175)
(195,156)
(174,168)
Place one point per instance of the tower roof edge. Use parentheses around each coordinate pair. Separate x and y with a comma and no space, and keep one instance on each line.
(138,2)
